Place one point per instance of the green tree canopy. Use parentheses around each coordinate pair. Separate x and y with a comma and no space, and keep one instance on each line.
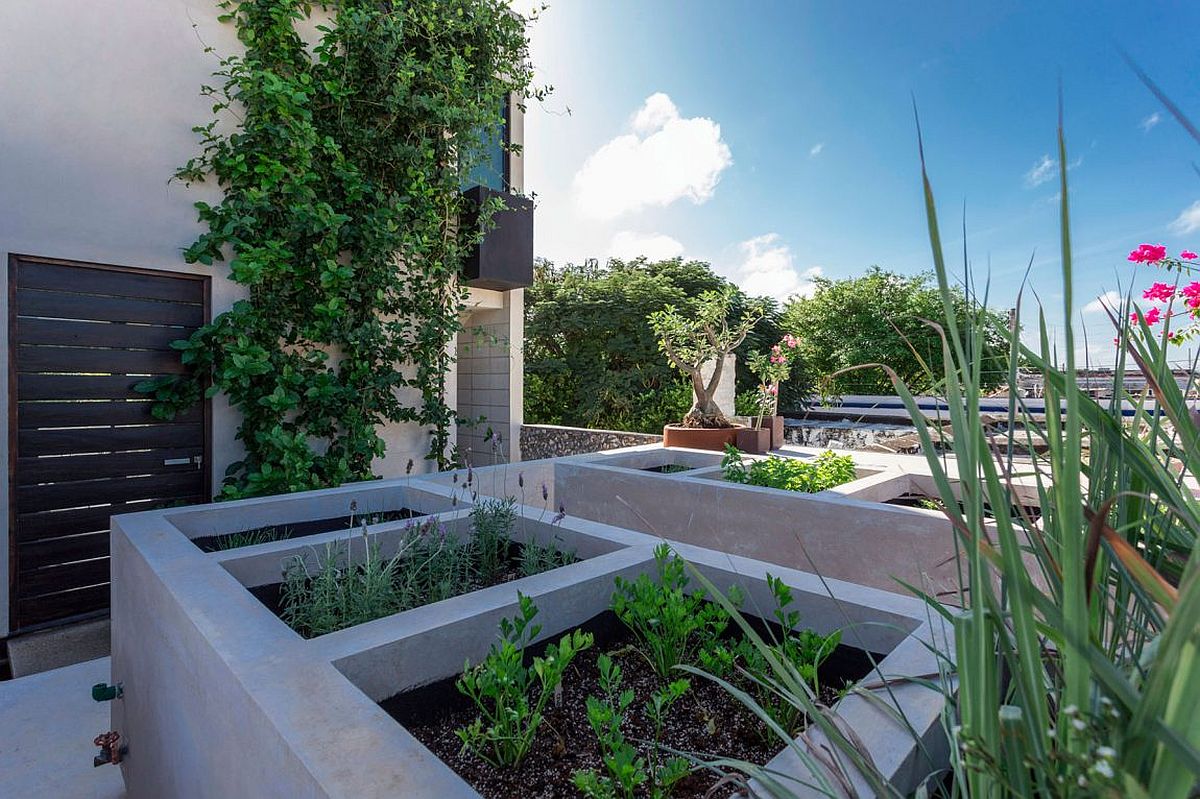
(878,318)
(591,358)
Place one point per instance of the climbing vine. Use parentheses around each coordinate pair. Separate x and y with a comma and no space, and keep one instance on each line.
(342,164)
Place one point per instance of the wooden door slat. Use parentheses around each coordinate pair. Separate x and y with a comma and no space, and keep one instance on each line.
(39,526)
(62,277)
(53,579)
(70,332)
(32,415)
(31,471)
(63,605)
(55,496)
(74,387)
(31,443)
(38,358)
(63,550)
(63,305)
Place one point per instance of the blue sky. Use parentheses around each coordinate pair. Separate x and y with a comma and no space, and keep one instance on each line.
(776,139)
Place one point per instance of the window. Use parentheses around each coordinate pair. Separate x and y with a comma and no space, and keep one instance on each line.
(494,172)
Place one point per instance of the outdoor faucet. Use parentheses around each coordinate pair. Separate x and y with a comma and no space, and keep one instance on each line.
(111,750)
(103,692)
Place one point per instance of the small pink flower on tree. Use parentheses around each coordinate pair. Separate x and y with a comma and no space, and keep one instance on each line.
(1189,295)
(1152,317)
(771,370)
(1148,254)
(1159,292)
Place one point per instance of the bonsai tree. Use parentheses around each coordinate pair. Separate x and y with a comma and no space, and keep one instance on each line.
(690,341)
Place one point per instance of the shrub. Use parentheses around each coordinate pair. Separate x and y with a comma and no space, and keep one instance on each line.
(879,317)
(671,625)
(591,359)
(511,696)
(791,474)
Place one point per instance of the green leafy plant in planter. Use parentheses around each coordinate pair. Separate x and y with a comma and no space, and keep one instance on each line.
(751,659)
(826,471)
(692,340)
(626,770)
(670,624)
(510,695)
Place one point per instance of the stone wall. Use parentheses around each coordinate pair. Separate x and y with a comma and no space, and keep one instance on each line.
(552,441)
(853,435)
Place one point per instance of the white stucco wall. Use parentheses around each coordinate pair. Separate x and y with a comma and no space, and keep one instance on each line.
(97,102)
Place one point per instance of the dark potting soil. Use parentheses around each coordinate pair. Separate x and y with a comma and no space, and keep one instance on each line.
(223,541)
(706,722)
(667,468)
(935,503)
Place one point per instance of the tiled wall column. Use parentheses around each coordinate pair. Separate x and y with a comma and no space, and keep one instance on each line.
(490,377)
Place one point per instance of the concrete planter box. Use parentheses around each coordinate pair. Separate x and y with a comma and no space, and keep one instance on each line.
(754,440)
(223,699)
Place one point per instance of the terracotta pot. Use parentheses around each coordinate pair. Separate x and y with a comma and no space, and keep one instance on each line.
(775,425)
(754,440)
(714,438)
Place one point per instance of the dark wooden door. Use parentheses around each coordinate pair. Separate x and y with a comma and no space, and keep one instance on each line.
(82,443)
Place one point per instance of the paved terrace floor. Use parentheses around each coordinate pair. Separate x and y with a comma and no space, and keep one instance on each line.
(47,723)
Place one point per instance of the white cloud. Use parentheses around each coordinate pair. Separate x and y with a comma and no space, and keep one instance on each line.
(1046,169)
(1041,172)
(654,114)
(666,158)
(816,149)
(629,244)
(1150,121)
(1188,220)
(768,269)
(1109,299)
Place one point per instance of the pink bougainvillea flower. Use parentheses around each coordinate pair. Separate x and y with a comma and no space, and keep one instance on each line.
(1152,317)
(1159,292)
(791,341)
(1148,253)
(1192,294)
(1188,255)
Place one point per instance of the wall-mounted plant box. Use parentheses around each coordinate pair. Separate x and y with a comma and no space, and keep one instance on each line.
(504,259)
